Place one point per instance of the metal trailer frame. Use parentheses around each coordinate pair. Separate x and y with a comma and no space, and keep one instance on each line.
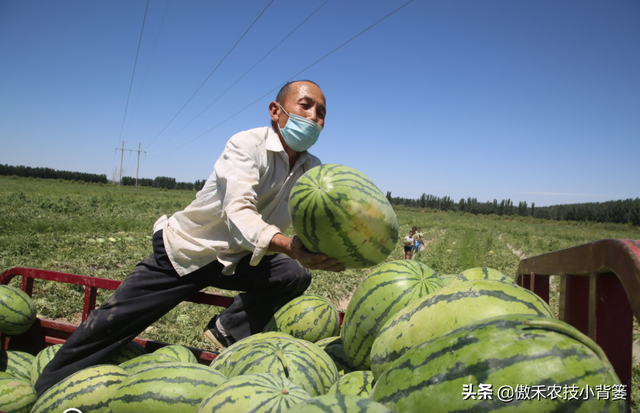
(599,294)
(46,332)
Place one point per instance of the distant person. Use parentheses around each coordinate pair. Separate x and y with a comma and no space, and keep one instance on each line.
(417,242)
(408,245)
(230,237)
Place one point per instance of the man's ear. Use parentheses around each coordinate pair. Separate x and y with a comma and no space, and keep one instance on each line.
(274,111)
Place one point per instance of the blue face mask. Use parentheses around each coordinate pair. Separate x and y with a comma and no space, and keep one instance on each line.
(299,133)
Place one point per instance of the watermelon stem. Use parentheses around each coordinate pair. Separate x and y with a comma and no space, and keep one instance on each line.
(280,357)
(571,332)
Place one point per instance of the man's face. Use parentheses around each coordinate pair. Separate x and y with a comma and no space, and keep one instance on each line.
(305,99)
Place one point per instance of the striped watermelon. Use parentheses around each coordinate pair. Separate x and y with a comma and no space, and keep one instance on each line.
(254,393)
(482,273)
(512,350)
(357,383)
(17,311)
(178,352)
(334,348)
(339,403)
(300,361)
(308,317)
(41,360)
(388,289)
(165,388)
(450,307)
(131,350)
(337,211)
(17,363)
(89,390)
(16,395)
(145,361)
(447,278)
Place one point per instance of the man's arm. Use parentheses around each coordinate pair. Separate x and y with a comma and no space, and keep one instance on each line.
(294,248)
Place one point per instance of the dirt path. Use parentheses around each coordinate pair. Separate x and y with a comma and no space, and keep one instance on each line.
(521,255)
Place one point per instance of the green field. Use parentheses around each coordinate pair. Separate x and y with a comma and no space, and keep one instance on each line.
(103,231)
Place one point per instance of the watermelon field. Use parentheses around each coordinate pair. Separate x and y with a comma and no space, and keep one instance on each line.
(103,231)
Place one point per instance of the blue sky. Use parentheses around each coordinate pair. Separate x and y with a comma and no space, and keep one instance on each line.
(535,101)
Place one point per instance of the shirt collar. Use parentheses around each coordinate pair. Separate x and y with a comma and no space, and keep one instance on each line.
(273,141)
(274,145)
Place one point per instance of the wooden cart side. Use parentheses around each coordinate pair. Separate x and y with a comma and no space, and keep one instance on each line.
(599,293)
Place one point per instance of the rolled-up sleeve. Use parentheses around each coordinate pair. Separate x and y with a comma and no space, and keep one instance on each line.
(238,178)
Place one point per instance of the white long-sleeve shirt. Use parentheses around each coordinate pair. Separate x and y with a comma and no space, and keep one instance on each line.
(243,204)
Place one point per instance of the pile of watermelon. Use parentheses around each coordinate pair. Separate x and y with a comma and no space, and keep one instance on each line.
(411,340)
(408,343)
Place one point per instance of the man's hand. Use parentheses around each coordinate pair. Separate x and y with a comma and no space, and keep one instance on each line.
(313,261)
(294,248)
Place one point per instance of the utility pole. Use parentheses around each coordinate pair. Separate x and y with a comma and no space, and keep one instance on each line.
(121,158)
(137,167)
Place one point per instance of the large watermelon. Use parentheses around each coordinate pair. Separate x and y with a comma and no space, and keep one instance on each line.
(308,317)
(338,211)
(16,395)
(254,393)
(388,289)
(17,311)
(300,361)
(339,403)
(89,390)
(41,360)
(546,365)
(129,351)
(17,363)
(448,308)
(357,383)
(178,352)
(145,361)
(482,273)
(448,278)
(165,388)
(335,349)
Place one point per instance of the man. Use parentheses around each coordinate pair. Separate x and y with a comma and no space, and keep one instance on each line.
(229,237)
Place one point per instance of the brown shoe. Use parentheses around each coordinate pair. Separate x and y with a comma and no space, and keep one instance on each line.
(212,333)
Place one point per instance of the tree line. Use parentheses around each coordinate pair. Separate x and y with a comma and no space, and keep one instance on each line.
(164,182)
(49,173)
(621,212)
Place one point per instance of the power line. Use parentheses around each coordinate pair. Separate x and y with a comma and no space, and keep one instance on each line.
(290,78)
(153,52)
(245,73)
(344,44)
(212,72)
(134,70)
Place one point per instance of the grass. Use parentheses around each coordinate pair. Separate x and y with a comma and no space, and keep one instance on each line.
(102,231)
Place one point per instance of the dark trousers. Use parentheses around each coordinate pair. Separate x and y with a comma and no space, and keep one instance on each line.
(154,288)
